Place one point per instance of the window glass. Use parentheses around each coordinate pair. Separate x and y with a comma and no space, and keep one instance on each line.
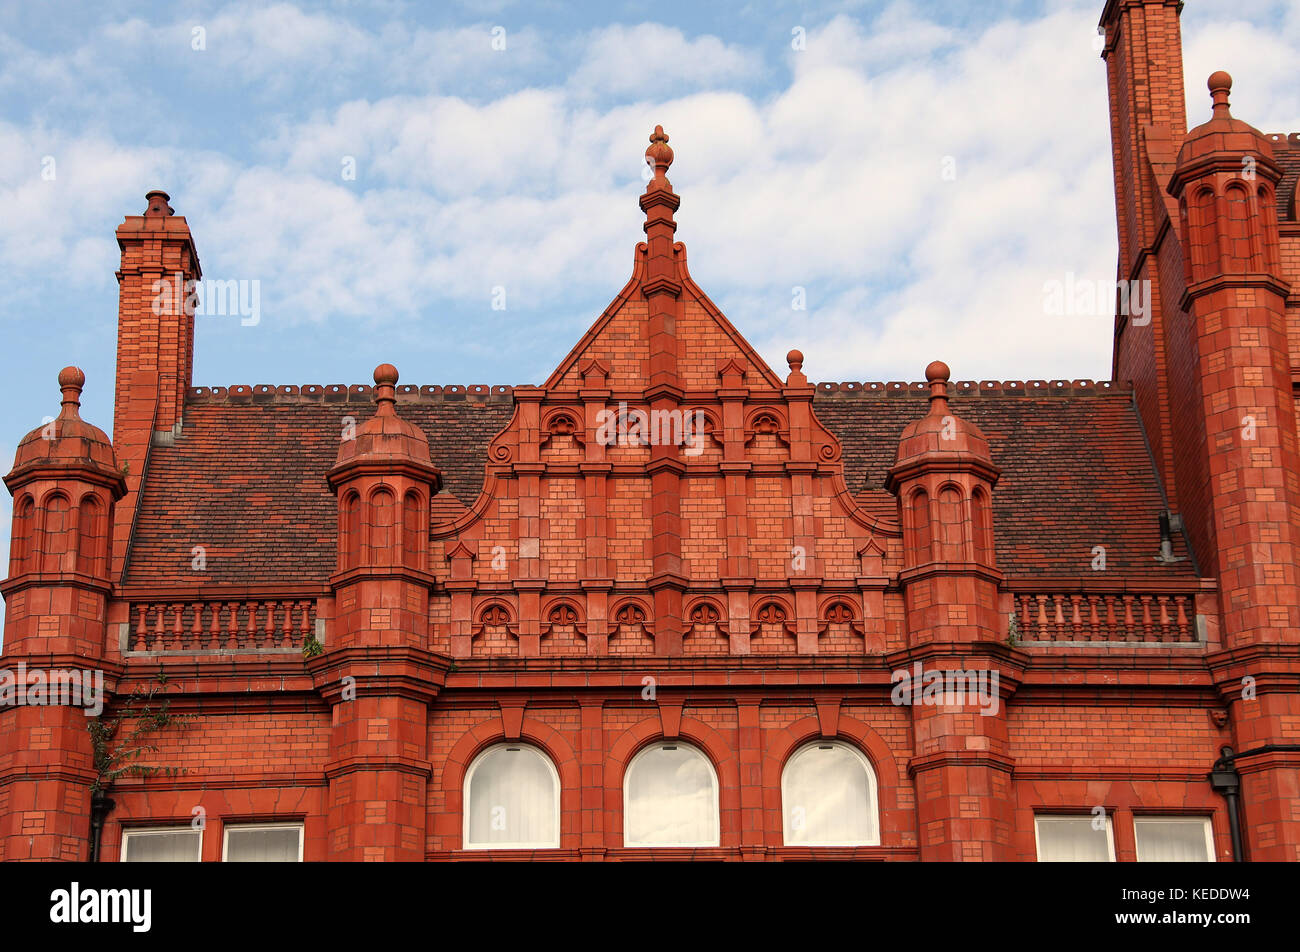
(512,799)
(263,844)
(1074,839)
(828,796)
(670,798)
(180,845)
(1173,839)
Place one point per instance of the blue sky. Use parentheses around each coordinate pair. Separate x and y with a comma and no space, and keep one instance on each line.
(518,168)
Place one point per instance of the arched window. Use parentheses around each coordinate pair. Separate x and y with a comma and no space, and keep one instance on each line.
(24,527)
(982,526)
(56,527)
(922,546)
(92,531)
(512,800)
(952,525)
(828,797)
(670,798)
(383,527)
(412,531)
(1201,230)
(350,531)
(1239,248)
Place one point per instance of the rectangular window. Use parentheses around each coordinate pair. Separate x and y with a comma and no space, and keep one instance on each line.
(1174,839)
(263,843)
(1074,839)
(177,844)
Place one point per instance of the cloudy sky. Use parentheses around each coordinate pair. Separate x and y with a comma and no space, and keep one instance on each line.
(920,169)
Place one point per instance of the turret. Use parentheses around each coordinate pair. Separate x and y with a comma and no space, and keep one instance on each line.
(955,674)
(384,479)
(1225,184)
(65,482)
(376,670)
(944,478)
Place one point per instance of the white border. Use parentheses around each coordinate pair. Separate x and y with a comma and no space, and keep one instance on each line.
(466,801)
(872,794)
(1110,835)
(130,831)
(713,776)
(227,827)
(1157,818)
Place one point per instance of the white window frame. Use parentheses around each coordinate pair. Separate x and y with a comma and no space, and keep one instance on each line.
(716,839)
(466,802)
(227,827)
(1110,833)
(1182,818)
(130,831)
(873,794)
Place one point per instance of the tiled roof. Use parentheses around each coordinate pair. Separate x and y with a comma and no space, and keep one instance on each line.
(1286,151)
(246,478)
(1076,472)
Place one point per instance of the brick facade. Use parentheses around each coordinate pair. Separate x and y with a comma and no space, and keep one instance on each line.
(356,593)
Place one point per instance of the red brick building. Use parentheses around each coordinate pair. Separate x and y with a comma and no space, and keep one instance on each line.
(674,603)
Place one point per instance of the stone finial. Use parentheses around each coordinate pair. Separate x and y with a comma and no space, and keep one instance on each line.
(159,204)
(659,154)
(795,361)
(1220,84)
(385,381)
(937,374)
(71,380)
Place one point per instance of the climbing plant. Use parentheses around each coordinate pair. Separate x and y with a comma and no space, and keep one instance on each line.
(117,754)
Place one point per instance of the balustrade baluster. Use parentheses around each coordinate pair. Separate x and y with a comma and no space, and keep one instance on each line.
(157,611)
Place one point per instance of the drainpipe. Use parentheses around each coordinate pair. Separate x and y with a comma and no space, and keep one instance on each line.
(1225,780)
(100,807)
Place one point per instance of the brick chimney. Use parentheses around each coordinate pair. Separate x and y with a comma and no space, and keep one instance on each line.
(155,344)
(1148,118)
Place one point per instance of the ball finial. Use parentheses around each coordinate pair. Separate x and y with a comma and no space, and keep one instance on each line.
(937,370)
(71,380)
(386,375)
(1220,84)
(795,360)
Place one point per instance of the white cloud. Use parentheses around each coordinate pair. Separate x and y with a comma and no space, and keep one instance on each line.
(635,60)
(831,182)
